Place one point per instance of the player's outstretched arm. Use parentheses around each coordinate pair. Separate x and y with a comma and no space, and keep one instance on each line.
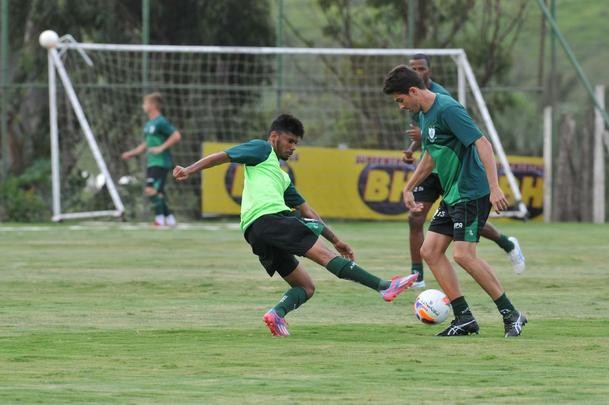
(487,157)
(423,170)
(174,138)
(342,247)
(182,173)
(138,150)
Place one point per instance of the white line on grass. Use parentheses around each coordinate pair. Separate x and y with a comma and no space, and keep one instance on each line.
(123,227)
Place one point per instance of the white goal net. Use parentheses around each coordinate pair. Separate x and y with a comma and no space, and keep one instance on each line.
(227,94)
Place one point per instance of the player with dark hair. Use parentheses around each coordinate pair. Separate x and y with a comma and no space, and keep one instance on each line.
(467,170)
(430,190)
(275,234)
(159,137)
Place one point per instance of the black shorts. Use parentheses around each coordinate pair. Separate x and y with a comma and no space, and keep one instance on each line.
(156,177)
(429,190)
(462,221)
(276,238)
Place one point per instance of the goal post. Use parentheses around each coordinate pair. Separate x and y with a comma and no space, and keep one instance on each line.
(56,65)
(493,135)
(229,94)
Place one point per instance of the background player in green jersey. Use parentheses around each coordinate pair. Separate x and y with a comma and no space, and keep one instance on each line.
(275,234)
(159,136)
(467,170)
(430,189)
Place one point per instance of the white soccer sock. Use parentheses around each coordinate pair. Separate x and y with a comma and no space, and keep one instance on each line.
(160,220)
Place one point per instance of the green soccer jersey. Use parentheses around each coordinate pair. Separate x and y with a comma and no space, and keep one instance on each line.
(436,88)
(156,132)
(267,188)
(448,134)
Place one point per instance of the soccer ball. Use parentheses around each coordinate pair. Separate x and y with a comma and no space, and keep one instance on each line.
(48,39)
(432,307)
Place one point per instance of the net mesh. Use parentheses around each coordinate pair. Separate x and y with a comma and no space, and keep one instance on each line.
(228,97)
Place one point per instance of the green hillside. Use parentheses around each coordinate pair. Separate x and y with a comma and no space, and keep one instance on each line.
(583,23)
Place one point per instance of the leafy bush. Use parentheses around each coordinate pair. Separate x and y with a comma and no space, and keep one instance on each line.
(23,198)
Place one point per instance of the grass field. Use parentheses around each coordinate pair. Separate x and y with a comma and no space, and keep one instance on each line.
(119,314)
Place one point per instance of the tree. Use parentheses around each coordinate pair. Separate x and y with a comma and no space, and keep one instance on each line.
(187,22)
(486,29)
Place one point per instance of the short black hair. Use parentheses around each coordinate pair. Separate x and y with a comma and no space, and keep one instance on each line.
(420,56)
(401,79)
(288,123)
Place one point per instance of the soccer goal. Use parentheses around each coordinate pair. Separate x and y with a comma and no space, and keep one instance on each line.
(229,94)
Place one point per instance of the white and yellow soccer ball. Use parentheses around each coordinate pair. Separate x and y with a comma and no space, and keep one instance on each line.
(432,307)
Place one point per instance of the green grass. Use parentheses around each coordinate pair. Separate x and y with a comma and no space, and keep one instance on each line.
(114,315)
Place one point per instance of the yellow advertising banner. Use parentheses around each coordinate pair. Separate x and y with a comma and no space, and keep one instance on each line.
(351,183)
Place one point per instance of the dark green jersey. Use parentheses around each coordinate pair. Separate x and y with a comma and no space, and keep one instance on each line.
(156,132)
(433,87)
(448,134)
(267,188)
(436,88)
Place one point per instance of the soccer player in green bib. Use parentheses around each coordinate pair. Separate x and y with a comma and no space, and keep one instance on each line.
(430,189)
(467,170)
(275,234)
(159,137)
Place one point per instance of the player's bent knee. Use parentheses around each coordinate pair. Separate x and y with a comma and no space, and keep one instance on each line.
(463,259)
(416,220)
(309,290)
(427,253)
(320,254)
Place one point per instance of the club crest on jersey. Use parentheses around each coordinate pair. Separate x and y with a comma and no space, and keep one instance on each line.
(431,132)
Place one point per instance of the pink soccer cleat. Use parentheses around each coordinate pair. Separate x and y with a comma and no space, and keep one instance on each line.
(276,324)
(398,285)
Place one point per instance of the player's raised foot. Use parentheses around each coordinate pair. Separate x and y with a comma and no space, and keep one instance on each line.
(514,323)
(397,286)
(276,324)
(461,327)
(418,284)
(516,256)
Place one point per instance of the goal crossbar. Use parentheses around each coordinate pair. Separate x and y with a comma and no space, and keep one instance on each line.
(260,50)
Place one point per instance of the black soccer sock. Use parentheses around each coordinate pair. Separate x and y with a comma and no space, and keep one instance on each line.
(292,299)
(505,244)
(418,269)
(166,210)
(460,308)
(348,270)
(504,305)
